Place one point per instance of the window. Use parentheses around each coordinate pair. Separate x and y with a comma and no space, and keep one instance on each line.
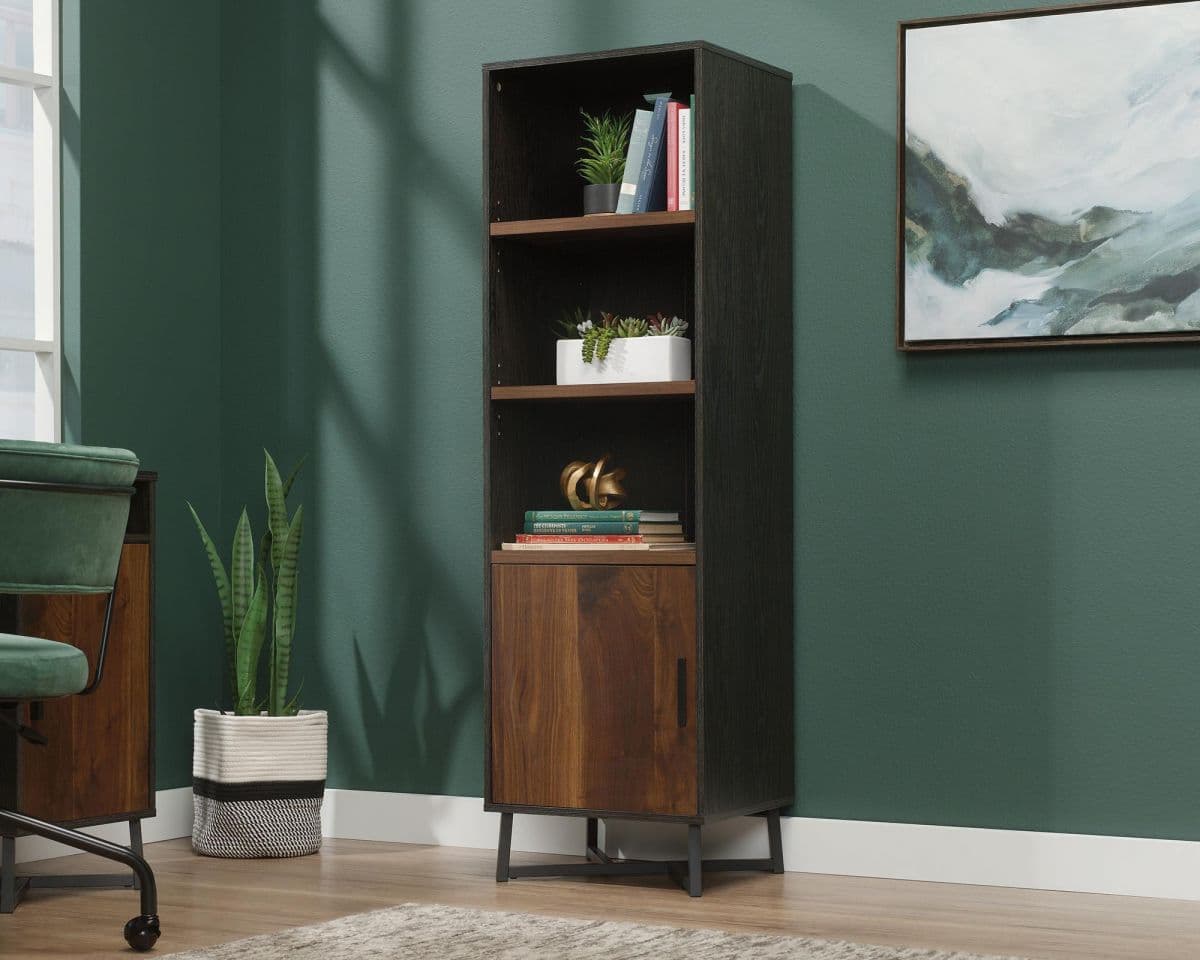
(30,352)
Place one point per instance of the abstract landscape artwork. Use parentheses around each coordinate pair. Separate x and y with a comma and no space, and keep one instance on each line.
(1050,177)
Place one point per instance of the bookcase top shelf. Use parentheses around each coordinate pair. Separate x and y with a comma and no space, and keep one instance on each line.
(596,391)
(575,558)
(611,225)
(614,59)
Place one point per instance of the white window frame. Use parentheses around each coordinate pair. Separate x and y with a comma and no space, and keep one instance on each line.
(46,343)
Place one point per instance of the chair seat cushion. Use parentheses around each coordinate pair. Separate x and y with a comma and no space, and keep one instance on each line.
(65,463)
(36,669)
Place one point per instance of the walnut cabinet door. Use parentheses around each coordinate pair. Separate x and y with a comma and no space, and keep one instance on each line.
(593,673)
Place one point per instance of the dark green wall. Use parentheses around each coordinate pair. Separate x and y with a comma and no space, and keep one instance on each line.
(996,580)
(141,282)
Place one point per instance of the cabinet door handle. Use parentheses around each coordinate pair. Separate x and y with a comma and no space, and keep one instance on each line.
(681,690)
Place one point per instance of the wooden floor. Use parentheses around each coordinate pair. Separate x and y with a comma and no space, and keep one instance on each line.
(212,901)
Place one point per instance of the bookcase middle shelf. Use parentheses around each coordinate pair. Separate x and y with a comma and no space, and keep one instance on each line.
(679,389)
(617,224)
(581,558)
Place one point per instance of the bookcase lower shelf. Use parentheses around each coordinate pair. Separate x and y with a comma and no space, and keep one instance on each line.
(620,558)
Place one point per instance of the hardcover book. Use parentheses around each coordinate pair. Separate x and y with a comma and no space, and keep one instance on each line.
(652,180)
(598,516)
(597,546)
(580,526)
(692,152)
(580,538)
(633,160)
(575,546)
(685,158)
(672,156)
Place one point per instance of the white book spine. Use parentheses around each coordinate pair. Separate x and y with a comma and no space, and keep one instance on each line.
(685,158)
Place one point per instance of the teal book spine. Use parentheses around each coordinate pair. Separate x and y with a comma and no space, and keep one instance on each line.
(581,527)
(583,516)
(633,160)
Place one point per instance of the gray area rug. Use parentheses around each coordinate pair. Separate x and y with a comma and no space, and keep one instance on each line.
(451,933)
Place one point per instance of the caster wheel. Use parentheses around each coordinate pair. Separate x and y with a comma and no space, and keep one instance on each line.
(141,933)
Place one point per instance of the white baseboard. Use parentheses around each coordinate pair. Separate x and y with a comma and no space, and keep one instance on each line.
(1129,866)
(174,819)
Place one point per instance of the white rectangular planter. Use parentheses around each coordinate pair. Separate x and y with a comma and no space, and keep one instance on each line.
(629,360)
(257,784)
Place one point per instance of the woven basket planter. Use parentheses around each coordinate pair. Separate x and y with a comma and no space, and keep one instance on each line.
(257,784)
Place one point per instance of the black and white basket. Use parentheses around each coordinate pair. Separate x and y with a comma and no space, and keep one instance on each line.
(257,784)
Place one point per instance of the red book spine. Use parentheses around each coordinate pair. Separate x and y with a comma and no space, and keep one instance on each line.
(672,156)
(580,538)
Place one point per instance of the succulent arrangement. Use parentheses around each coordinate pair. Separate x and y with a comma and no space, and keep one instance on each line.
(598,337)
(258,598)
(602,151)
(659,326)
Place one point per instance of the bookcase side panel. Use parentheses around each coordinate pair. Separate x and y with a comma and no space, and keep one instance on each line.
(744,433)
(486,266)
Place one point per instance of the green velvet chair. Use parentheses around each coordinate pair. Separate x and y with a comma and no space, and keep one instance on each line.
(63,512)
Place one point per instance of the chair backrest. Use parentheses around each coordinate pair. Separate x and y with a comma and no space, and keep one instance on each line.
(63,512)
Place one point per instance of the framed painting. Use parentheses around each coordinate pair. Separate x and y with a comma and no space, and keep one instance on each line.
(1049,177)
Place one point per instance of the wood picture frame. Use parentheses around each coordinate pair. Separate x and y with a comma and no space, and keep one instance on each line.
(1001,261)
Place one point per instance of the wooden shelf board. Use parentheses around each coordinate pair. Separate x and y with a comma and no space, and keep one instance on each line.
(596,391)
(678,558)
(611,225)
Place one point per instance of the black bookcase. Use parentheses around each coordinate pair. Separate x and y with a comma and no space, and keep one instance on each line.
(653,685)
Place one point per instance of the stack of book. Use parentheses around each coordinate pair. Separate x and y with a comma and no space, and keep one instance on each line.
(658,165)
(600,530)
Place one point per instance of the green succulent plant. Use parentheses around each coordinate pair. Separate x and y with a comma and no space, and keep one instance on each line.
(631,327)
(598,337)
(602,152)
(259,596)
(571,324)
(659,326)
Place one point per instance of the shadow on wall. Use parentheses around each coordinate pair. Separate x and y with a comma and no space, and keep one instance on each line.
(332,349)
(399,638)
(924,589)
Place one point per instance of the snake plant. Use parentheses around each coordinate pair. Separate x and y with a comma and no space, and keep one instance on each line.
(258,598)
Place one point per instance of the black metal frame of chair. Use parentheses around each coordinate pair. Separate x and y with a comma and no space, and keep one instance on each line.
(142,931)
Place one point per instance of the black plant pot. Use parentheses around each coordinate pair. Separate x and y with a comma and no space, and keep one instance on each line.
(600,198)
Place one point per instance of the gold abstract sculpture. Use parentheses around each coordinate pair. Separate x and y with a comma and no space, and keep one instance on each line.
(604,490)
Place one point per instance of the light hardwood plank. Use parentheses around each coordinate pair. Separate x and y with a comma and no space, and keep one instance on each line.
(212,901)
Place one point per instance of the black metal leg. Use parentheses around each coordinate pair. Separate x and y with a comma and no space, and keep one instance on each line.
(694,861)
(135,844)
(8,874)
(687,873)
(775,839)
(142,931)
(504,848)
(95,881)
(10,723)
(592,851)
